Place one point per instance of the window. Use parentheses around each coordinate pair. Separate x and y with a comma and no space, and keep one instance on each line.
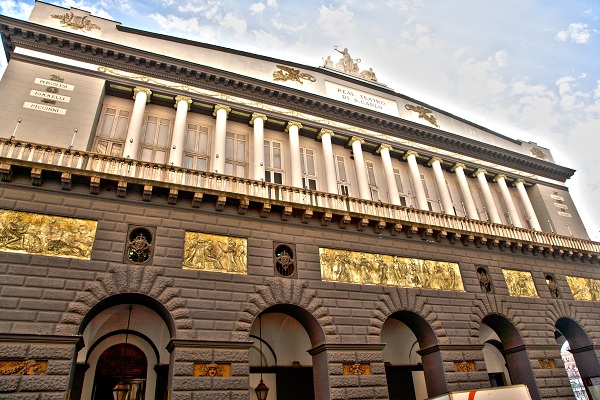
(155,141)
(195,153)
(236,161)
(342,177)
(112,131)
(273,166)
(372,182)
(503,207)
(400,187)
(309,175)
(429,203)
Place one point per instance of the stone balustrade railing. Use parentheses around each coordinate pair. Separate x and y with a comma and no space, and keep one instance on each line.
(118,168)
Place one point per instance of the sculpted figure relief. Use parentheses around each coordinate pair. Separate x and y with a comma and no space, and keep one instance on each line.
(349,65)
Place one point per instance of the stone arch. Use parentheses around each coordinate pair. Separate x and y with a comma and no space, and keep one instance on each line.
(486,305)
(560,309)
(276,293)
(143,285)
(397,300)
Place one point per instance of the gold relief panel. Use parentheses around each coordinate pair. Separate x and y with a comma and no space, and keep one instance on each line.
(215,253)
(212,370)
(584,289)
(519,283)
(357,369)
(28,367)
(546,363)
(47,235)
(378,269)
(466,366)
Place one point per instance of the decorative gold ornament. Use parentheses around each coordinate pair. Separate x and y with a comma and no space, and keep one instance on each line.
(28,367)
(215,253)
(584,289)
(357,369)
(519,283)
(291,74)
(539,154)
(546,363)
(466,366)
(46,235)
(377,269)
(423,113)
(212,370)
(76,22)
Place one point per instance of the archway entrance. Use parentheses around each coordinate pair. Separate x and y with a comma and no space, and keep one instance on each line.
(121,363)
(495,363)
(411,374)
(290,372)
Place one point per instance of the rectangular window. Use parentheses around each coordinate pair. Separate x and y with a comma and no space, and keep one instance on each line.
(342,177)
(273,161)
(155,140)
(236,159)
(112,131)
(195,153)
(372,182)
(309,174)
(400,187)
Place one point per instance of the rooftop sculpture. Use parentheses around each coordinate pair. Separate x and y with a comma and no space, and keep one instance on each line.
(349,65)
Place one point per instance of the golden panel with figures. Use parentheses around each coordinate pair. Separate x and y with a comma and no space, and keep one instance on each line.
(20,367)
(519,283)
(379,269)
(47,235)
(357,369)
(212,370)
(466,366)
(584,289)
(215,253)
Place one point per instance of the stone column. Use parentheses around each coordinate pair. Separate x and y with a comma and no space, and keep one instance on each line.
(510,204)
(492,210)
(520,185)
(258,120)
(361,171)
(413,167)
(182,104)
(221,113)
(435,163)
(388,168)
(134,132)
(293,129)
(325,135)
(459,169)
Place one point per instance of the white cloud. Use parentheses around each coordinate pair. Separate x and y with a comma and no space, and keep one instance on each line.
(482,79)
(230,21)
(174,25)
(267,40)
(257,8)
(272,3)
(11,8)
(83,5)
(189,7)
(286,26)
(338,23)
(576,32)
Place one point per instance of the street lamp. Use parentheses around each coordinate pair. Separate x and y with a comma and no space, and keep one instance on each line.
(261,389)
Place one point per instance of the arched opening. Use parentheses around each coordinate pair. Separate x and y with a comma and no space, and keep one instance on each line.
(580,359)
(414,368)
(499,332)
(290,372)
(495,363)
(105,331)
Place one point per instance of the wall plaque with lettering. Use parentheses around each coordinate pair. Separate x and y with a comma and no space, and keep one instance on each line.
(361,99)
(45,108)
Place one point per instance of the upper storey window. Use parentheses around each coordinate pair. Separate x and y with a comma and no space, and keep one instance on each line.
(112,131)
(236,157)
(400,187)
(155,141)
(372,182)
(195,154)
(342,176)
(273,165)
(309,174)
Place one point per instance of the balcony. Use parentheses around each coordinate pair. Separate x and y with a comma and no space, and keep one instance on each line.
(267,197)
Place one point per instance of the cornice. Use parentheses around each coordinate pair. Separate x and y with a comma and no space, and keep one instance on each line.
(83,48)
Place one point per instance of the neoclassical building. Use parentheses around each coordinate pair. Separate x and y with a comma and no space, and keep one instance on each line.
(183,221)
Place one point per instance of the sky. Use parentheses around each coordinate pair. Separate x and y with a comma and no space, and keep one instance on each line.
(527,69)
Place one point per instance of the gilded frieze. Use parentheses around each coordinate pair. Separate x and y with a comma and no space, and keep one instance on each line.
(76,22)
(47,235)
(378,269)
(215,253)
(291,74)
(519,283)
(584,289)
(212,370)
(20,367)
(357,369)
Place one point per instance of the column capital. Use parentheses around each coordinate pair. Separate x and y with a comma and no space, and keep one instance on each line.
(221,107)
(324,131)
(256,116)
(139,89)
(519,180)
(499,176)
(458,165)
(384,146)
(409,153)
(434,159)
(356,139)
(180,98)
(480,171)
(293,123)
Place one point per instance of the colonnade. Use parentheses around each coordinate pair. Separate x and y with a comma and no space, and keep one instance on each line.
(221,113)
